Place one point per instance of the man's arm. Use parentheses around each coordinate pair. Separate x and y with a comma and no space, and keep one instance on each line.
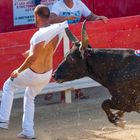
(86,12)
(25,54)
(93,17)
(57,19)
(27,63)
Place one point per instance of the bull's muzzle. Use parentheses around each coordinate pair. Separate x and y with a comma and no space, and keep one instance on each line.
(56,77)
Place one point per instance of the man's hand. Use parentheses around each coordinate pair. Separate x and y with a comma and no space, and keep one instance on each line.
(71,18)
(14,74)
(104,18)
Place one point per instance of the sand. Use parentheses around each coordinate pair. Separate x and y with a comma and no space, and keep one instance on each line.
(83,119)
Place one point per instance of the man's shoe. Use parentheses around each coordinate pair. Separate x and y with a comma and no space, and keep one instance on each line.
(4,125)
(24,136)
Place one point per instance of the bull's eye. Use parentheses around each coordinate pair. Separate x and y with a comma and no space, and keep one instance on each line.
(71,60)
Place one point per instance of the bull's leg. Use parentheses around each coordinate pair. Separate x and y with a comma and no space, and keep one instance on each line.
(120,122)
(120,114)
(106,107)
(115,118)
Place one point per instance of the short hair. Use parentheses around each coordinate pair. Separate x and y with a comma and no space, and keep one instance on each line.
(42,11)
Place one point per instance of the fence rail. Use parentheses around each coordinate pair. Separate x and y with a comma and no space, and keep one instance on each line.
(66,86)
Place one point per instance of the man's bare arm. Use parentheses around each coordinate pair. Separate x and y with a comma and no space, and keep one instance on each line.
(56,19)
(27,63)
(93,17)
(25,54)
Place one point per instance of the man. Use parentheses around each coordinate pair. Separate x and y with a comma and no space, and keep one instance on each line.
(34,73)
(72,10)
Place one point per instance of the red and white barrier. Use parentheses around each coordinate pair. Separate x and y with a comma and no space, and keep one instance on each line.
(117,33)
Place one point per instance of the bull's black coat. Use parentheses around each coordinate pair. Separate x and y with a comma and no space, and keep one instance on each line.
(116,69)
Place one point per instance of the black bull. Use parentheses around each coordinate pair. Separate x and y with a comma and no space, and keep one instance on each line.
(116,69)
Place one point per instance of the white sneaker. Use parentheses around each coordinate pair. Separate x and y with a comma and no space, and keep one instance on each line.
(4,125)
(24,136)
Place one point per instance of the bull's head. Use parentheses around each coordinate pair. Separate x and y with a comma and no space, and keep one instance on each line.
(74,65)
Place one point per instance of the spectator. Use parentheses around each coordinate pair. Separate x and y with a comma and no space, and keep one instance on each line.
(72,10)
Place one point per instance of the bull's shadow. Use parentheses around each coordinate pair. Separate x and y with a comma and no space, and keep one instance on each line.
(116,69)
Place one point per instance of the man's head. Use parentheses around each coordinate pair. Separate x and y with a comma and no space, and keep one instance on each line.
(41,13)
(69,3)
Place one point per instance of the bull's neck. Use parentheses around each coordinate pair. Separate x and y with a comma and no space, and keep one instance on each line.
(98,66)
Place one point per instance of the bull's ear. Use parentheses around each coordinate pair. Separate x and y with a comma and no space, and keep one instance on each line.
(71,37)
(84,35)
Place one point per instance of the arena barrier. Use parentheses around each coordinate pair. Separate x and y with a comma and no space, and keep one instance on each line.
(117,33)
(67,86)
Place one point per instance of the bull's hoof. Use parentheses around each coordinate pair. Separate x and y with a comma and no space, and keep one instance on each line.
(120,123)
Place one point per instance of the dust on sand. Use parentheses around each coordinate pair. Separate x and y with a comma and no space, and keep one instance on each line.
(81,120)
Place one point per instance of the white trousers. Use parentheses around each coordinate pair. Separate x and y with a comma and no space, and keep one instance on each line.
(34,83)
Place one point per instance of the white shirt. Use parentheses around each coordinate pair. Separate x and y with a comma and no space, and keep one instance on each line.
(48,33)
(79,9)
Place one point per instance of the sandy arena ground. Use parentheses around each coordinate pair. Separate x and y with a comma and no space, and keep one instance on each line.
(82,120)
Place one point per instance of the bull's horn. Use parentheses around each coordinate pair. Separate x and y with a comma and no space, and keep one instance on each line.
(84,36)
(71,37)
